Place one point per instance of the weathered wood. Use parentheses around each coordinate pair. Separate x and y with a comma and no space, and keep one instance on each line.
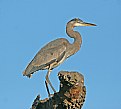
(70,96)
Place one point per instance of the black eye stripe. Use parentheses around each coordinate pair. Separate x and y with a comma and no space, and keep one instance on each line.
(76,20)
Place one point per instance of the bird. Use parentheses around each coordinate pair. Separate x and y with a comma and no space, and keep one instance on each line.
(56,52)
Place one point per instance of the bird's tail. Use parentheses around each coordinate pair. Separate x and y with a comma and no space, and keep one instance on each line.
(25,74)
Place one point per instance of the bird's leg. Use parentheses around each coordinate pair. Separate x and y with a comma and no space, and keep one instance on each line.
(48,82)
(47,88)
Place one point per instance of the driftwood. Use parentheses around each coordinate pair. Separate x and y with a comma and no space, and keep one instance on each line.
(70,96)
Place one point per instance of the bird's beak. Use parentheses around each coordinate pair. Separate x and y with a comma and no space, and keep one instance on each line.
(84,24)
(87,24)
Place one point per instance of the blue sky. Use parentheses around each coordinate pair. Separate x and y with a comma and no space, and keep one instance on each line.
(27,25)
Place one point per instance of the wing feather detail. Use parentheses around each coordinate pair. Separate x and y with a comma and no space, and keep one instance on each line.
(44,58)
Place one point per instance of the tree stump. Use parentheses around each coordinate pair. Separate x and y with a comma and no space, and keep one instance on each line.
(70,96)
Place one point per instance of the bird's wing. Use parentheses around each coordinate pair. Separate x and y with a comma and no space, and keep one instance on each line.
(54,43)
(44,58)
(52,54)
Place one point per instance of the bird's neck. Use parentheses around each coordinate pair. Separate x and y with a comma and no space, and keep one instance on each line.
(75,46)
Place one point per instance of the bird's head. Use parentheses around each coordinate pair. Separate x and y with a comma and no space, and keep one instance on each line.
(78,22)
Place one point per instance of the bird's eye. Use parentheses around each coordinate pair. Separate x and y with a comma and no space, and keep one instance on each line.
(79,21)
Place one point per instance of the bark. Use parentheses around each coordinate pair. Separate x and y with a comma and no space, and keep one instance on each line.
(70,96)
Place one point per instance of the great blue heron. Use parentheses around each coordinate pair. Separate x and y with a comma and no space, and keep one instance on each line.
(55,52)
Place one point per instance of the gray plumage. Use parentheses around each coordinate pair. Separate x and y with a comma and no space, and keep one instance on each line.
(55,52)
